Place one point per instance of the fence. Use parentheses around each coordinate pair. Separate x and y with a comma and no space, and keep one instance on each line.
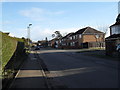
(111,46)
(93,44)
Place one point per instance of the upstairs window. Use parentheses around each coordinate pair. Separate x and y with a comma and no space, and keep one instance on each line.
(70,38)
(80,36)
(76,36)
(73,37)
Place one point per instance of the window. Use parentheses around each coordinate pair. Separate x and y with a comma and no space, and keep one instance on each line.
(60,41)
(56,42)
(73,37)
(76,36)
(80,36)
(70,38)
(73,43)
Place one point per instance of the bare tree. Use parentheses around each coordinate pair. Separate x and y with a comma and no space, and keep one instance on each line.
(103,28)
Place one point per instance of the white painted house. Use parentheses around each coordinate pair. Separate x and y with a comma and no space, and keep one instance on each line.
(114,39)
(115,28)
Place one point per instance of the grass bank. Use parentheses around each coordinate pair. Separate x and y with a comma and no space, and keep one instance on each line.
(12,55)
(8,47)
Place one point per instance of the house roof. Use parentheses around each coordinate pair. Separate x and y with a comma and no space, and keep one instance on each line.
(87,30)
(70,34)
(54,39)
(117,21)
(114,36)
(118,18)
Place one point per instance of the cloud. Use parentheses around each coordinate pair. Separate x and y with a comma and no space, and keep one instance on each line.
(19,32)
(38,14)
(33,13)
(39,33)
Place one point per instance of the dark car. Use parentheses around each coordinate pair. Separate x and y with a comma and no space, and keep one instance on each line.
(37,48)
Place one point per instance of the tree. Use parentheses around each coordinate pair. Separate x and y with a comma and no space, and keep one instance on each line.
(57,34)
(103,28)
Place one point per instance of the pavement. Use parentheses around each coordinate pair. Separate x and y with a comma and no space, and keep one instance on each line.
(29,75)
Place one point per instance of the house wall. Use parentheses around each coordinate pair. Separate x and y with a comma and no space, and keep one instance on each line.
(52,43)
(115,29)
(81,40)
(92,38)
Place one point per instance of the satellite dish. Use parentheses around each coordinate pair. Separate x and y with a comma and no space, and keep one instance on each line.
(53,35)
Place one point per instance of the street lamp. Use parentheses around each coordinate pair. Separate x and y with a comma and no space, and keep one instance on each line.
(28,28)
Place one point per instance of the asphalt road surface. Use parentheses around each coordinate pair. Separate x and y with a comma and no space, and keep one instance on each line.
(76,70)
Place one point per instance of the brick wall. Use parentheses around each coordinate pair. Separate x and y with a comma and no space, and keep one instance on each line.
(92,38)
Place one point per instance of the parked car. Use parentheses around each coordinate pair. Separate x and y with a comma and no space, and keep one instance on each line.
(37,48)
(118,48)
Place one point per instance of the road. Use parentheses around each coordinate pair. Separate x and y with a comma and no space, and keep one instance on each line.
(66,69)
(76,70)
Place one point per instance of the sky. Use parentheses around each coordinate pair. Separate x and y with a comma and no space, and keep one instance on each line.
(48,17)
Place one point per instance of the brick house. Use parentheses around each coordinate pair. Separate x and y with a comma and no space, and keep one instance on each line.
(54,43)
(51,43)
(64,42)
(90,37)
(114,38)
(83,38)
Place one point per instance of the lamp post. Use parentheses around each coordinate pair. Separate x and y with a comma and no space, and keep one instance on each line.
(28,28)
